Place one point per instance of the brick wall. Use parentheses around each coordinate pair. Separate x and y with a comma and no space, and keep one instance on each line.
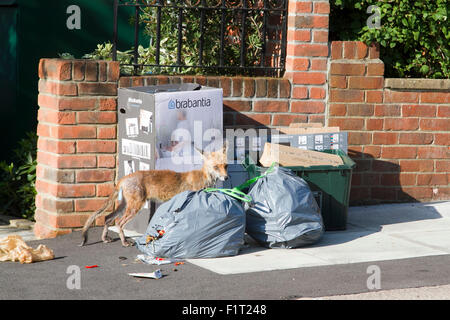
(398,134)
(77,142)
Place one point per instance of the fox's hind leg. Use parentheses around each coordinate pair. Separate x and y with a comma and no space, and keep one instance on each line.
(134,196)
(109,220)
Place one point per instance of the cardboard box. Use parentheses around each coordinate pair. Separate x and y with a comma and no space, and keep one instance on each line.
(312,136)
(158,127)
(253,146)
(320,141)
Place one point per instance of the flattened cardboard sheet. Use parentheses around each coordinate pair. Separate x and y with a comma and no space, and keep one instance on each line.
(292,157)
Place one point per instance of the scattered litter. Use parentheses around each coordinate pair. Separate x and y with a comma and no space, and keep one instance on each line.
(122,258)
(149,238)
(177,264)
(14,248)
(152,275)
(152,260)
(90,267)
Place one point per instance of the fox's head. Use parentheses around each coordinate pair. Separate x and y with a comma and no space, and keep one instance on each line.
(215,164)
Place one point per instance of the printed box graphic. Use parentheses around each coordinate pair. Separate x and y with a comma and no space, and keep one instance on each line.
(159,127)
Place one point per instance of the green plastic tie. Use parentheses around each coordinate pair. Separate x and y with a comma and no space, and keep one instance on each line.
(253,180)
(234,192)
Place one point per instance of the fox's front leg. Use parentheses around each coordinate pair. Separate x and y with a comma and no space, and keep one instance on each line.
(134,196)
(125,242)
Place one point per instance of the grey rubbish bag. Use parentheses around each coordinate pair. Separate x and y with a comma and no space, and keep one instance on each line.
(284,213)
(197,224)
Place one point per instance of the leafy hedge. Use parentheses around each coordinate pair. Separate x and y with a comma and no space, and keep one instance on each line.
(18,179)
(413,35)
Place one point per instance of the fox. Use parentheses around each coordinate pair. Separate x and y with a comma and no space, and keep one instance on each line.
(157,185)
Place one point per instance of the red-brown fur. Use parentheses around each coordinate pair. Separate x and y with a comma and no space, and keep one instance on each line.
(157,185)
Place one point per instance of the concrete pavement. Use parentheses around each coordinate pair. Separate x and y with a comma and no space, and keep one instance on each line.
(374,233)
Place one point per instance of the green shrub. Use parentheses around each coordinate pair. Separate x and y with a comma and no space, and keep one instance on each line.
(413,35)
(17,180)
(105,51)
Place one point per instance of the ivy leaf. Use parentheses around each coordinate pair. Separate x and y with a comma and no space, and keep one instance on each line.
(424,69)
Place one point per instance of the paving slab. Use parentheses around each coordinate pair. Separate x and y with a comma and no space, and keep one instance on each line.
(437,239)
(257,259)
(374,233)
(394,218)
(422,293)
(363,247)
(15,226)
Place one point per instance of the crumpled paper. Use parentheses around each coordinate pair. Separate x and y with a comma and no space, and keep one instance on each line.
(13,248)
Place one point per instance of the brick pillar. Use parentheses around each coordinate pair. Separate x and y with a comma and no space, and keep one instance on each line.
(307,58)
(356,84)
(77,142)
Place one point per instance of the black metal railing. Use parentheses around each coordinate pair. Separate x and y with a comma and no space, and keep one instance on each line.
(245,37)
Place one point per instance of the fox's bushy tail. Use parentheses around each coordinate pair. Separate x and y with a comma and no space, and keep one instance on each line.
(92,218)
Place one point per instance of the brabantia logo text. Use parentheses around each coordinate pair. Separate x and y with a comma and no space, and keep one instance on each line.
(189,103)
(133,100)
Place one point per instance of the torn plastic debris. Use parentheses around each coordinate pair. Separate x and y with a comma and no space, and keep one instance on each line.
(152,260)
(152,275)
(14,248)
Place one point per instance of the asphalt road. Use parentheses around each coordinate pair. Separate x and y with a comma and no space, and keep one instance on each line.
(49,279)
